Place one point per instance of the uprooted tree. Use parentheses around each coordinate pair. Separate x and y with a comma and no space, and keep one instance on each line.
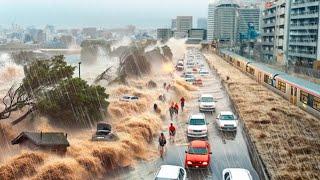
(48,88)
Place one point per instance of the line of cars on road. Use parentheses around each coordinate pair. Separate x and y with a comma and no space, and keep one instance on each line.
(198,153)
(194,69)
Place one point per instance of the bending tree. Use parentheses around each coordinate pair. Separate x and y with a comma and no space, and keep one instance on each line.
(46,84)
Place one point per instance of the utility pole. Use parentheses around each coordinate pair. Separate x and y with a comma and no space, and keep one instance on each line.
(79,68)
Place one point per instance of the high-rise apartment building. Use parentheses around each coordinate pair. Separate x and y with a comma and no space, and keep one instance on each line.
(226,23)
(164,33)
(274,32)
(174,24)
(210,22)
(304,29)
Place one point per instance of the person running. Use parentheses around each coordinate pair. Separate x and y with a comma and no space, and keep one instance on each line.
(155,107)
(168,87)
(162,143)
(172,132)
(171,111)
(176,107)
(182,101)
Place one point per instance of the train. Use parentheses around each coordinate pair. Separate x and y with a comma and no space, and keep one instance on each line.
(300,92)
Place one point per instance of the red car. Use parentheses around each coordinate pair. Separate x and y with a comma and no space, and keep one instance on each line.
(198,154)
(198,82)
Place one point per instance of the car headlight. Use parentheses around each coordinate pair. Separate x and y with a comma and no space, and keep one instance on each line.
(205,163)
(189,130)
(189,162)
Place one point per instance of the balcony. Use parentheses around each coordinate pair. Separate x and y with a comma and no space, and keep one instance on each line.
(305,54)
(269,43)
(270,24)
(281,11)
(304,15)
(302,34)
(304,26)
(267,34)
(305,3)
(269,15)
(304,42)
(270,52)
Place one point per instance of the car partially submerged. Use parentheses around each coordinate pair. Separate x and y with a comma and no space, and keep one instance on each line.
(104,133)
(189,78)
(129,98)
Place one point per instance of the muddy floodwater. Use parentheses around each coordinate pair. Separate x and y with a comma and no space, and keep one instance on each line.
(229,150)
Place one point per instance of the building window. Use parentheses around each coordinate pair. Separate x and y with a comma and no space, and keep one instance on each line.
(304,97)
(281,86)
(316,103)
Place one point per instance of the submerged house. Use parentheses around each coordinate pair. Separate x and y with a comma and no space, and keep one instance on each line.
(48,141)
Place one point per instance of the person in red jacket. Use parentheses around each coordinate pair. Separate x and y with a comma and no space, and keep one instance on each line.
(182,101)
(172,132)
(176,107)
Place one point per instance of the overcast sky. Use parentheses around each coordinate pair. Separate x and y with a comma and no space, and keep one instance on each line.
(99,13)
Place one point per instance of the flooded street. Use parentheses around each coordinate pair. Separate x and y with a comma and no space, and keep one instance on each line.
(228,149)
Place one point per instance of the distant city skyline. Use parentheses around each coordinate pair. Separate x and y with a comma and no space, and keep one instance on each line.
(98,13)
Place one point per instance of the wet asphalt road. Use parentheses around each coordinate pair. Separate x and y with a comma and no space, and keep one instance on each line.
(228,149)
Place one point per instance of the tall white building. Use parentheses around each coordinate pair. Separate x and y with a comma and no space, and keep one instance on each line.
(210,22)
(174,24)
(304,29)
(274,31)
(184,23)
(226,23)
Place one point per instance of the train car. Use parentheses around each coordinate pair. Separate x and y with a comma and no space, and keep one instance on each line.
(299,92)
(302,93)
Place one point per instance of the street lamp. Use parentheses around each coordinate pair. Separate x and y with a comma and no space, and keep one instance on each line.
(79,68)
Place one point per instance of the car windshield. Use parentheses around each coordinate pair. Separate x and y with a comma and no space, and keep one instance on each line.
(197,150)
(189,76)
(101,133)
(197,122)
(207,99)
(226,117)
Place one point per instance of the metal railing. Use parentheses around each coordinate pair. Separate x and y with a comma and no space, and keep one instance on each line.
(304,1)
(305,13)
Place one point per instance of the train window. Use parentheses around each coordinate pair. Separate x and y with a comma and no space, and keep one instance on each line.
(250,70)
(281,86)
(316,103)
(267,79)
(304,97)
